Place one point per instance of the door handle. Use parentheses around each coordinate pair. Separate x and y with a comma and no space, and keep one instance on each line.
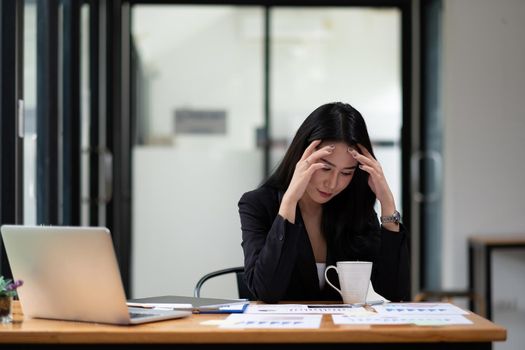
(106,176)
(436,159)
(20,118)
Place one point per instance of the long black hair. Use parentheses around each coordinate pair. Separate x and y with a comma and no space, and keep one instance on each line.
(346,217)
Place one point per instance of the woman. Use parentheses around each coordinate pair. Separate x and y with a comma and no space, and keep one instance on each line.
(317,208)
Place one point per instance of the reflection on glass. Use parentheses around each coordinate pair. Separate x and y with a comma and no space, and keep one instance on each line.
(198,78)
(30,60)
(84,113)
(338,54)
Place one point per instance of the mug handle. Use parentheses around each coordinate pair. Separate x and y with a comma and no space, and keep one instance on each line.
(330,283)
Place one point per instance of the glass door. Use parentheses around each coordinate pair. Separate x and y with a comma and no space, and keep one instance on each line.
(198,73)
(30,104)
(217,92)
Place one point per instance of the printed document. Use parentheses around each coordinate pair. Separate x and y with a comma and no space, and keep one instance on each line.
(304,309)
(408,313)
(420,320)
(272,321)
(392,309)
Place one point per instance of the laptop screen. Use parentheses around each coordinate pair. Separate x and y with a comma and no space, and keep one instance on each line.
(69,273)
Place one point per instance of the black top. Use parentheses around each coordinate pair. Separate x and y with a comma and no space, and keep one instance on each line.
(279,261)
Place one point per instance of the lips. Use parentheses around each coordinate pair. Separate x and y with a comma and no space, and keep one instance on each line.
(324,194)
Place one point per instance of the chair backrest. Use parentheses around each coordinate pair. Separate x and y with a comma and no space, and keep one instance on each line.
(242,288)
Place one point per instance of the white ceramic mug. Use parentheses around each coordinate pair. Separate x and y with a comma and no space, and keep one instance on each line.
(354,279)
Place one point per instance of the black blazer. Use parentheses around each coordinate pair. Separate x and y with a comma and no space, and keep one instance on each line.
(280,265)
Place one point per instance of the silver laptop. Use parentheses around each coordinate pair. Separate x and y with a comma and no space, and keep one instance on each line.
(71,273)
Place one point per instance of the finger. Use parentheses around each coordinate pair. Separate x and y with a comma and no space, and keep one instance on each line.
(316,166)
(310,149)
(317,155)
(375,175)
(362,158)
(365,151)
(323,152)
(370,170)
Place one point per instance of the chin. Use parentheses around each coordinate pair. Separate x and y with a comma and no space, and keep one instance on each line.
(322,200)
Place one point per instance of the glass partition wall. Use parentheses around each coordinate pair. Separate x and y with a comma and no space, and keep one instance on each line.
(30,108)
(203,78)
(200,95)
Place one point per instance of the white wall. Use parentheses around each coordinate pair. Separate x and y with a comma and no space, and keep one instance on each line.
(184,224)
(484,146)
(483,93)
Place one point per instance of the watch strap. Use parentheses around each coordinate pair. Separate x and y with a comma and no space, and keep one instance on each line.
(395,218)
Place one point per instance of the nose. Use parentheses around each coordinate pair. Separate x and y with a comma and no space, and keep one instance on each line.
(331,180)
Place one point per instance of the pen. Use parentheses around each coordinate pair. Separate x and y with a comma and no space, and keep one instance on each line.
(141,306)
(339,306)
(368,307)
(348,306)
(369,303)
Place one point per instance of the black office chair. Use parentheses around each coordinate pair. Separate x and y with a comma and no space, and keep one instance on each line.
(244,292)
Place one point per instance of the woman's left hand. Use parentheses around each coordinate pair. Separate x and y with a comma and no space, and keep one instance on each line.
(376,180)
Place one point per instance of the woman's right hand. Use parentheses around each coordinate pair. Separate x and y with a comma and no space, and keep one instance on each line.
(304,169)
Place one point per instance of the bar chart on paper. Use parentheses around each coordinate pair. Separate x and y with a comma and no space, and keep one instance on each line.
(272,321)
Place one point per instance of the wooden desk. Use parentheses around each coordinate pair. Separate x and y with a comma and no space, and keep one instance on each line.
(480,248)
(190,333)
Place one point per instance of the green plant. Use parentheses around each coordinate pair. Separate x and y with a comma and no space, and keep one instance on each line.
(8,287)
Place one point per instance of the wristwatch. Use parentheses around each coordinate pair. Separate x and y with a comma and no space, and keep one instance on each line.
(395,218)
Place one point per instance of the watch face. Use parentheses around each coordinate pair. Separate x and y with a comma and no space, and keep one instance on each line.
(397,216)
